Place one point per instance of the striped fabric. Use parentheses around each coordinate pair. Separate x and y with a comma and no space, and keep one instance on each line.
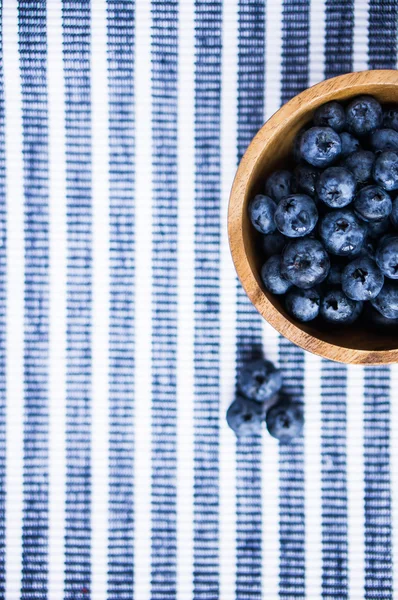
(122,324)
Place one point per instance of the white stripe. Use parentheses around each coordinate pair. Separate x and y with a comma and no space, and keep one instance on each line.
(360,41)
(317,41)
(143,312)
(15,300)
(57,303)
(186,261)
(227,456)
(394,471)
(273,58)
(355,482)
(270,504)
(313,478)
(100,316)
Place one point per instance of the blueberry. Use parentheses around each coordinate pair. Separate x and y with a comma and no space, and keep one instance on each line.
(320,146)
(278,185)
(261,213)
(378,228)
(285,420)
(387,256)
(273,243)
(259,380)
(296,215)
(303,304)
(349,144)
(385,170)
(375,318)
(373,203)
(369,248)
(337,308)
(331,114)
(336,187)
(304,179)
(384,139)
(390,118)
(245,417)
(364,114)
(334,276)
(342,232)
(362,279)
(272,276)
(394,213)
(387,300)
(296,145)
(305,263)
(360,164)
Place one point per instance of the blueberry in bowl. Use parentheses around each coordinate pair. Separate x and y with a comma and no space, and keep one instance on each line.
(328,159)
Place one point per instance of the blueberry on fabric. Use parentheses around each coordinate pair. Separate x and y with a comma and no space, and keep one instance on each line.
(387,300)
(384,139)
(259,380)
(362,279)
(278,185)
(364,114)
(342,232)
(390,118)
(385,170)
(320,146)
(349,144)
(273,243)
(331,114)
(303,304)
(261,213)
(387,256)
(296,215)
(285,420)
(245,417)
(272,276)
(336,187)
(305,263)
(373,204)
(360,164)
(337,308)
(304,180)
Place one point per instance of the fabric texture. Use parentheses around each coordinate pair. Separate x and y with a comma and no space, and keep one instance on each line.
(123,325)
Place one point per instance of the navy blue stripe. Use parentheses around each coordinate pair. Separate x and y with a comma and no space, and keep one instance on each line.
(378,559)
(76,46)
(164,299)
(121,313)
(295,70)
(339,37)
(207,292)
(338,60)
(248,452)
(295,48)
(291,494)
(383,34)
(33,54)
(3,299)
(334,481)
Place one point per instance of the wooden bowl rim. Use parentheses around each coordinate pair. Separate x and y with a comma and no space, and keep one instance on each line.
(298,105)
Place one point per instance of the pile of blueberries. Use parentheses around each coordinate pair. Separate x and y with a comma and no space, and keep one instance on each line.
(259,399)
(330,226)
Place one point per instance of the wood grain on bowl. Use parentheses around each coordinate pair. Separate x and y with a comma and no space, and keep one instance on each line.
(269,150)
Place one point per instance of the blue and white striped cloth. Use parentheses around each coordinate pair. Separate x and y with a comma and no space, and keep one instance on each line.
(122,322)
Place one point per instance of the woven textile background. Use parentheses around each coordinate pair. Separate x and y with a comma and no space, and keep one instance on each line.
(122,322)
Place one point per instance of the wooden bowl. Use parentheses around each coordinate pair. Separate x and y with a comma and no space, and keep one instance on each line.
(269,150)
